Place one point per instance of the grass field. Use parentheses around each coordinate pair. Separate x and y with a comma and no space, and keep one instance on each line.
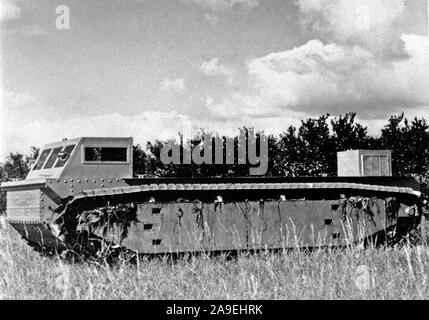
(384,273)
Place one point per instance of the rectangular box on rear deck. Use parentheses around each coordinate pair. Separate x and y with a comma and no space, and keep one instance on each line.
(365,163)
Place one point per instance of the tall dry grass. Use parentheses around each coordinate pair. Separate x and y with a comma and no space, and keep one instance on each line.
(374,273)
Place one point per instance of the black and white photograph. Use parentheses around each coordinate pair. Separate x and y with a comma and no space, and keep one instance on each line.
(214,155)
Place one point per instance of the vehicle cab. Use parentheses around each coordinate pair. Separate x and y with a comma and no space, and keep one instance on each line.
(66,168)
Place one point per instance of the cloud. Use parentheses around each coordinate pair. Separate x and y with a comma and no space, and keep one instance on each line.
(222,5)
(26,30)
(14,99)
(370,23)
(147,126)
(211,18)
(349,72)
(212,68)
(240,106)
(318,78)
(33,30)
(9,10)
(12,105)
(238,110)
(144,127)
(20,128)
(344,17)
(176,85)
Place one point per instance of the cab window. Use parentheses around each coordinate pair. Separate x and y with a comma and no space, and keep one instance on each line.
(101,154)
(64,156)
(42,159)
(52,158)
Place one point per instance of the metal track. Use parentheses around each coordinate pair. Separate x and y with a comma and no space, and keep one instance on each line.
(91,246)
(245,186)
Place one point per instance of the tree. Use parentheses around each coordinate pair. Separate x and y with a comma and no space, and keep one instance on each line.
(396,137)
(16,166)
(409,143)
(309,150)
(349,135)
(418,148)
(289,154)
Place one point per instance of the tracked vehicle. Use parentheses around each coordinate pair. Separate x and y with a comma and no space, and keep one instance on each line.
(81,196)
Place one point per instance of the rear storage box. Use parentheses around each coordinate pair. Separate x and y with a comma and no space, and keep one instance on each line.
(364,163)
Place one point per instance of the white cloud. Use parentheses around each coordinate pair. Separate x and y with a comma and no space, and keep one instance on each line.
(212,68)
(20,129)
(176,85)
(238,110)
(222,5)
(14,99)
(9,10)
(240,106)
(318,78)
(211,18)
(26,30)
(373,72)
(33,30)
(144,127)
(371,23)
(348,73)
(345,18)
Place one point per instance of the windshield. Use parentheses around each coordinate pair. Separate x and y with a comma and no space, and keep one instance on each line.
(52,158)
(42,159)
(64,156)
(57,156)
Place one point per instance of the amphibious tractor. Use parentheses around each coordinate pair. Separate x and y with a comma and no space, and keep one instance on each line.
(81,197)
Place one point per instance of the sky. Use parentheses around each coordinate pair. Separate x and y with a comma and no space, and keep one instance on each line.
(149,68)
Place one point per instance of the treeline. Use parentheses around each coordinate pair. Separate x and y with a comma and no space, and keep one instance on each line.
(16,166)
(307,150)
